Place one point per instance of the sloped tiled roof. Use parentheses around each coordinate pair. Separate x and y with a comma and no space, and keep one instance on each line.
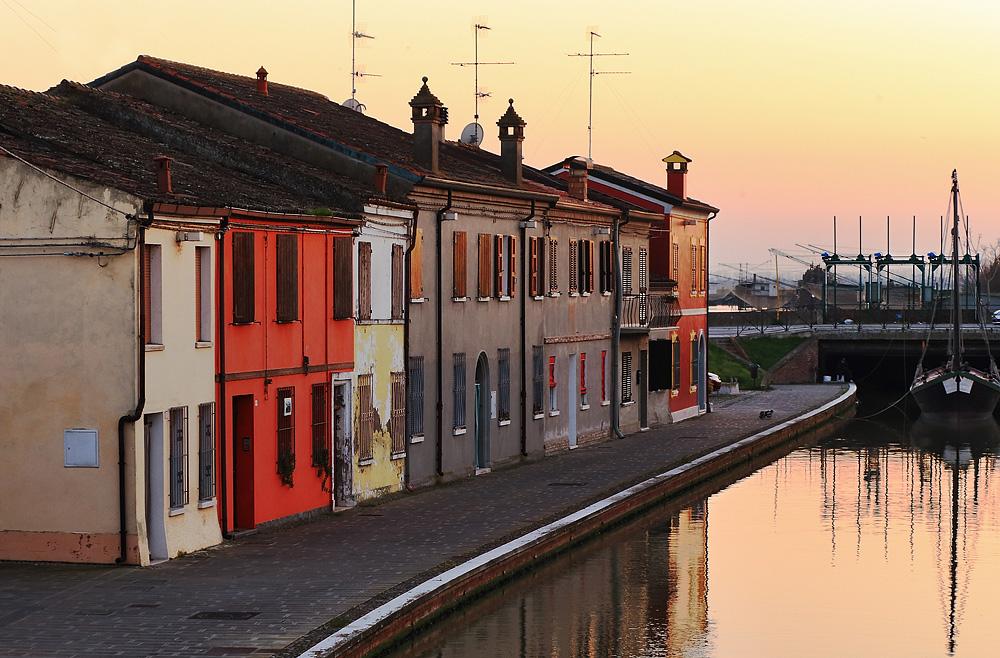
(111,140)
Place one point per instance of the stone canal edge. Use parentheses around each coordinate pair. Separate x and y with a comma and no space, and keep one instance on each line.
(445,590)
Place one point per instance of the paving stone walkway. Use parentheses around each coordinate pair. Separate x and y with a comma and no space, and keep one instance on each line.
(261,593)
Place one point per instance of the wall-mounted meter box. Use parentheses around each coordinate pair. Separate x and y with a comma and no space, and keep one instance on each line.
(80,448)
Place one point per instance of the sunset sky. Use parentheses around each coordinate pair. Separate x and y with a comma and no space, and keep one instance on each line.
(793,112)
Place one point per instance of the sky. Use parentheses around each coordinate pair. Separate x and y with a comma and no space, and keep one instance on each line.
(793,112)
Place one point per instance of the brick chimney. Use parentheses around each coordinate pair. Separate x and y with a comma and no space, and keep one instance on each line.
(381,169)
(163,174)
(262,81)
(429,117)
(677,169)
(511,138)
(577,168)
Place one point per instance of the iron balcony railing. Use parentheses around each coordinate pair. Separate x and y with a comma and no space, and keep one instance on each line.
(650,311)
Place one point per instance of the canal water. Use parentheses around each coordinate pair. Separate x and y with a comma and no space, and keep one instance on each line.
(879,538)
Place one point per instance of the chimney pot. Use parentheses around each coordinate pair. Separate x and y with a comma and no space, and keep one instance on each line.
(262,81)
(163,184)
(677,165)
(577,181)
(429,117)
(381,169)
(511,137)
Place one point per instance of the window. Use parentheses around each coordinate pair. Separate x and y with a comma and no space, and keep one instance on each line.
(643,286)
(585,272)
(364,280)
(511,265)
(626,270)
(694,268)
(343,278)
(694,362)
(152,291)
(503,384)
(606,267)
(536,276)
(459,271)
(485,266)
(243,277)
(675,259)
(397,282)
(203,294)
(458,391)
(626,377)
(397,413)
(499,271)
(553,266)
(702,269)
(675,360)
(583,379)
(604,376)
(536,379)
(206,451)
(320,425)
(415,393)
(178,457)
(574,275)
(553,401)
(286,433)
(287,277)
(366,419)
(659,365)
(417,266)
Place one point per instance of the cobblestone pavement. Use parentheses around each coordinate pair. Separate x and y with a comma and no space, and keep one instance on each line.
(257,594)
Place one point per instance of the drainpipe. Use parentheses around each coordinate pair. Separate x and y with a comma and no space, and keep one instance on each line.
(223,405)
(438,456)
(524,334)
(708,245)
(131,418)
(616,325)
(406,342)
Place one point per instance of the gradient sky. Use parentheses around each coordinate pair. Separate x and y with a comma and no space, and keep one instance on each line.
(793,111)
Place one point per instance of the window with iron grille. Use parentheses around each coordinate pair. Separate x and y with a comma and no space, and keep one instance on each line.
(694,268)
(243,277)
(397,282)
(583,379)
(536,379)
(152,290)
(343,278)
(574,272)
(178,457)
(366,419)
(459,288)
(206,451)
(626,377)
(397,413)
(203,294)
(604,376)
(553,398)
(676,363)
(417,266)
(553,266)
(285,401)
(694,361)
(415,397)
(503,383)
(458,390)
(364,280)
(607,267)
(287,277)
(320,425)
(626,270)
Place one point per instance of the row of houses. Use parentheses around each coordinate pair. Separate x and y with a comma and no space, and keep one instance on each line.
(227,304)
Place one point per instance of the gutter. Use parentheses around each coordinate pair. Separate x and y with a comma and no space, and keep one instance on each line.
(524,334)
(450,185)
(439,329)
(616,324)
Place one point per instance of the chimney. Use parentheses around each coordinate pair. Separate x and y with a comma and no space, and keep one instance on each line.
(511,138)
(262,81)
(677,169)
(429,118)
(163,174)
(577,168)
(380,174)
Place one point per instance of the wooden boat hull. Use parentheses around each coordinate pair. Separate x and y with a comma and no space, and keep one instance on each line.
(943,394)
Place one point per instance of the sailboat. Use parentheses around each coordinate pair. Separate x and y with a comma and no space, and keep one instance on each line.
(956,389)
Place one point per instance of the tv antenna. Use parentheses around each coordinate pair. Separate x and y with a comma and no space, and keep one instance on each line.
(592,55)
(356,34)
(473,133)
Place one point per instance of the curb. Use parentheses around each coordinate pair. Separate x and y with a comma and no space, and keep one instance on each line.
(403,612)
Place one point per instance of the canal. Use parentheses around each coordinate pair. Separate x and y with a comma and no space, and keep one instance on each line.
(880,537)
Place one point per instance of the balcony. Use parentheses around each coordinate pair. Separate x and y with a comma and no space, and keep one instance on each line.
(650,311)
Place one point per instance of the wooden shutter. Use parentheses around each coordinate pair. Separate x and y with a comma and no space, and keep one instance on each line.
(553,265)
(287,277)
(498,269)
(198,332)
(364,280)
(485,264)
(590,265)
(147,294)
(459,270)
(512,260)
(541,266)
(343,278)
(574,269)
(397,282)
(533,266)
(417,266)
(243,277)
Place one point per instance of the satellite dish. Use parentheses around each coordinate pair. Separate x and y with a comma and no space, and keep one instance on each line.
(352,104)
(472,134)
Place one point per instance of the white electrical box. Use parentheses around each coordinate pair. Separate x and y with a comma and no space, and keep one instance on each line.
(80,448)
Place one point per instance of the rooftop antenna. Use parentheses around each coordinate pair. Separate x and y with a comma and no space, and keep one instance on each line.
(473,133)
(592,55)
(356,34)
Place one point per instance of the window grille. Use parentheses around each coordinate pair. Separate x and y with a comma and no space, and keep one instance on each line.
(243,277)
(287,277)
(503,383)
(458,390)
(366,418)
(626,377)
(397,414)
(397,282)
(206,451)
(536,379)
(553,265)
(626,270)
(178,457)
(285,401)
(415,393)
(364,280)
(459,269)
(320,425)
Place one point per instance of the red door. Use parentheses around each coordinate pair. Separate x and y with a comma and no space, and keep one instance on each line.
(243,447)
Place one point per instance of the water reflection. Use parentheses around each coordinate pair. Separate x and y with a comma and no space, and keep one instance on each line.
(883,539)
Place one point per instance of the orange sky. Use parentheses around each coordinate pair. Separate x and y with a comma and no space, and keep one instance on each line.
(792,111)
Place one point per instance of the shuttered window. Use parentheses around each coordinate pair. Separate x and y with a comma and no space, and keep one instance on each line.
(643,286)
(397,416)
(694,269)
(243,277)
(397,282)
(343,278)
(503,384)
(320,425)
(415,396)
(485,265)
(676,363)
(366,419)
(626,377)
(702,269)
(459,288)
(287,277)
(285,402)
(178,457)
(512,266)
(458,390)
(536,379)
(626,270)
(553,265)
(586,266)
(203,294)
(152,294)
(675,257)
(535,248)
(417,266)
(499,273)
(364,280)
(574,270)
(206,451)
(607,279)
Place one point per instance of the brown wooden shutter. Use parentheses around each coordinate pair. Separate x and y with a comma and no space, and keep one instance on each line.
(590,266)
(397,282)
(198,334)
(553,265)
(364,280)
(243,277)
(533,266)
(485,264)
(513,265)
(574,266)
(147,294)
(459,274)
(498,267)
(343,278)
(417,266)
(287,277)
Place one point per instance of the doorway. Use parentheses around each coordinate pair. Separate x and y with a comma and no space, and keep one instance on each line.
(243,462)
(343,468)
(482,418)
(640,380)
(156,533)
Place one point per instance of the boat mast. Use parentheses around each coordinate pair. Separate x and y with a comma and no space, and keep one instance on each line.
(956,344)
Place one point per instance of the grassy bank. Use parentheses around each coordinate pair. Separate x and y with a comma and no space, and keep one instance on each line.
(765,351)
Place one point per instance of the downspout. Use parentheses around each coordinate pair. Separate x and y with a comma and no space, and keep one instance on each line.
(406,343)
(708,244)
(223,404)
(616,325)
(438,449)
(524,334)
(131,418)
